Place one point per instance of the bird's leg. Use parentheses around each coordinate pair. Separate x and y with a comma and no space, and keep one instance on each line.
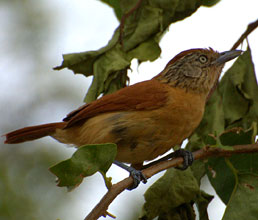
(136,174)
(187,156)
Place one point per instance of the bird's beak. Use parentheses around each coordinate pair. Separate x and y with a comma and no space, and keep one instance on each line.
(227,56)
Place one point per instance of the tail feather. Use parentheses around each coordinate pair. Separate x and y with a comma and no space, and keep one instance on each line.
(32,133)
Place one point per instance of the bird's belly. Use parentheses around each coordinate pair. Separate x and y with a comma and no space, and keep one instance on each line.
(147,135)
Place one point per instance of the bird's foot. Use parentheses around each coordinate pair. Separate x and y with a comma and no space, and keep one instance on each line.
(136,174)
(187,156)
(137,178)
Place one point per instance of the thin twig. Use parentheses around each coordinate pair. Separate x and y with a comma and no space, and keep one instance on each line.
(251,27)
(203,153)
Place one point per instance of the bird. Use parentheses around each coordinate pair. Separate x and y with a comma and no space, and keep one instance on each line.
(144,120)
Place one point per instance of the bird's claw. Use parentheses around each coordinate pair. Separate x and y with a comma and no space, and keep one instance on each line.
(187,156)
(136,174)
(138,177)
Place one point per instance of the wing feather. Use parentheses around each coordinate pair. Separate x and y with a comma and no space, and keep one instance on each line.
(145,95)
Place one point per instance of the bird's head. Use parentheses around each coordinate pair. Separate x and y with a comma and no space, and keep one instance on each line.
(196,69)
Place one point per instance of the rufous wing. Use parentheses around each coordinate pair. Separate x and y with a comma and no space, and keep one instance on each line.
(145,95)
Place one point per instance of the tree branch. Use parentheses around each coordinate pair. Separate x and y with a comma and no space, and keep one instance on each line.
(249,29)
(204,153)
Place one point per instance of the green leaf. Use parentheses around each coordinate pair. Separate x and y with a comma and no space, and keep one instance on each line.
(115,4)
(170,194)
(244,199)
(231,117)
(209,3)
(138,36)
(238,94)
(236,136)
(148,50)
(239,90)
(233,104)
(202,203)
(83,62)
(104,68)
(198,169)
(219,172)
(213,122)
(86,161)
(210,140)
(183,212)
(141,26)
(227,170)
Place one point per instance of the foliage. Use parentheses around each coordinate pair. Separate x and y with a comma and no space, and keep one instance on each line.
(230,118)
(178,190)
(232,112)
(86,161)
(142,25)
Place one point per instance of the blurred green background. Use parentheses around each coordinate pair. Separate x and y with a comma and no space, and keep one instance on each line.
(33,37)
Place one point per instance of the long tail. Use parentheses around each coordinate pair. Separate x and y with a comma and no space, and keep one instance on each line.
(32,133)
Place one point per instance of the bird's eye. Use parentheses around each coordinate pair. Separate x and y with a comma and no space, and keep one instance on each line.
(203,59)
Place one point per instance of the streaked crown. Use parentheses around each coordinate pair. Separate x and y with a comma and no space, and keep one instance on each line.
(195,69)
